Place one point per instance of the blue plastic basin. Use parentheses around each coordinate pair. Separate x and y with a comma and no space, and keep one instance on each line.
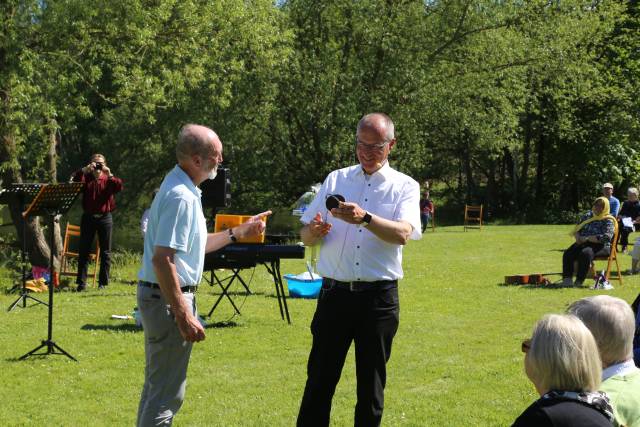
(300,288)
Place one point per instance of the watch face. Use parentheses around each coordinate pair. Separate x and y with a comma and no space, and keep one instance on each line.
(366,219)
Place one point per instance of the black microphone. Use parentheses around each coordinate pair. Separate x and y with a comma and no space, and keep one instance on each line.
(333,201)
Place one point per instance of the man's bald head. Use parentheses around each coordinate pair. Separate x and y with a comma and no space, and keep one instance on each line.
(380,123)
(196,140)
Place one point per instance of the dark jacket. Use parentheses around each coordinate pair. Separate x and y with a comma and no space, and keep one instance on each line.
(561,413)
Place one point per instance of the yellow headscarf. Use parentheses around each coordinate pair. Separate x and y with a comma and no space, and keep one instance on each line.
(603,215)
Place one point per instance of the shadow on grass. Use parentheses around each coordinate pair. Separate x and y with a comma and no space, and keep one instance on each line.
(550,286)
(127,327)
(103,294)
(221,324)
(216,292)
(123,327)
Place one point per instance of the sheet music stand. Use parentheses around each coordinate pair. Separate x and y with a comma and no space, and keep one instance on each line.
(23,193)
(52,200)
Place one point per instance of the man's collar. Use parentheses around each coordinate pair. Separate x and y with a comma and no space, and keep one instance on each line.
(622,368)
(186,180)
(384,170)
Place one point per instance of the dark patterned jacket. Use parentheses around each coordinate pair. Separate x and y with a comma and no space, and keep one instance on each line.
(602,229)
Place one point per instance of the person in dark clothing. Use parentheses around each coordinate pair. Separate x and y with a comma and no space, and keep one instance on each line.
(426,210)
(98,202)
(563,363)
(630,209)
(593,236)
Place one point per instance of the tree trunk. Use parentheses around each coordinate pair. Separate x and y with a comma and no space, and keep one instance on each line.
(540,144)
(468,171)
(29,231)
(52,161)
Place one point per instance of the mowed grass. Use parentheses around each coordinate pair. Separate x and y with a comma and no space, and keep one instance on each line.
(456,358)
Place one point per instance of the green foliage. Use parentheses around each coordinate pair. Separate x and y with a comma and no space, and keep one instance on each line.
(524,106)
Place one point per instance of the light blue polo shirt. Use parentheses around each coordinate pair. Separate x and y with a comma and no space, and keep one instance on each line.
(176,221)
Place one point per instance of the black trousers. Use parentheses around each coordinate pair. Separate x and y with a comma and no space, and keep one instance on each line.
(89,226)
(624,233)
(424,220)
(369,319)
(583,254)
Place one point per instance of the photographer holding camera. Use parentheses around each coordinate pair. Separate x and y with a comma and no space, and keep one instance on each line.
(98,202)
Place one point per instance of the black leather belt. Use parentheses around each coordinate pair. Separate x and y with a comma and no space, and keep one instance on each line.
(184,289)
(360,286)
(100,215)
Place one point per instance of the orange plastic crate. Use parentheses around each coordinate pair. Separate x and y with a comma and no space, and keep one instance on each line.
(225,221)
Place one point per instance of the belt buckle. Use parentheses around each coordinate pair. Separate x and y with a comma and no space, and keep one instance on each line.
(351,288)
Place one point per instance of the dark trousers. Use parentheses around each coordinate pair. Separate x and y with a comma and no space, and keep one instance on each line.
(368,318)
(583,254)
(624,233)
(424,220)
(89,226)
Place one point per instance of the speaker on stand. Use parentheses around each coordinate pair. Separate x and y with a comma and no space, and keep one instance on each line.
(216,193)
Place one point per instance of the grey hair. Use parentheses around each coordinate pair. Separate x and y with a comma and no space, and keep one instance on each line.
(369,120)
(633,190)
(612,323)
(564,355)
(190,143)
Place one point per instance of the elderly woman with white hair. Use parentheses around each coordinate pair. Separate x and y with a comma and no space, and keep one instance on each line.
(561,360)
(631,210)
(613,325)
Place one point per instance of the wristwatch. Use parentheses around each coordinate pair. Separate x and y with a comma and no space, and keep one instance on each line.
(231,236)
(366,219)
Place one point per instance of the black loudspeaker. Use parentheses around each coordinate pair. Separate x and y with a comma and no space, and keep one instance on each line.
(216,193)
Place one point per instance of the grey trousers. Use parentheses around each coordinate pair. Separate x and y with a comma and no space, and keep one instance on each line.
(166,356)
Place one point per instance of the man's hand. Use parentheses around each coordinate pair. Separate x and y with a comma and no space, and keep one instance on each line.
(315,231)
(349,212)
(106,170)
(318,227)
(254,227)
(190,328)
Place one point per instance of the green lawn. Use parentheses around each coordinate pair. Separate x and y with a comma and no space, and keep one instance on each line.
(456,358)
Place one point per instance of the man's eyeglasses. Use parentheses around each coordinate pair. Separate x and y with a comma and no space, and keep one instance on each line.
(371,148)
(526,345)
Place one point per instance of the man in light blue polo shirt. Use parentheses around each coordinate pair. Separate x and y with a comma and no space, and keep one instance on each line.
(172,264)
(614,203)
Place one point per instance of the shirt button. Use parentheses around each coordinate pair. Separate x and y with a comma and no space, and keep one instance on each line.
(369,185)
(360,231)
(357,263)
(358,279)
(358,246)
(366,200)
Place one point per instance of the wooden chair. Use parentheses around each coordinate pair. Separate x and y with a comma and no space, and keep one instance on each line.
(613,256)
(472,217)
(73,231)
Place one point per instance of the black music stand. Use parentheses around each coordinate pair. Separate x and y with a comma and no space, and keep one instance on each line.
(22,192)
(52,200)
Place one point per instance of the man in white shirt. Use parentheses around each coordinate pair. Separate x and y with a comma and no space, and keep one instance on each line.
(361,262)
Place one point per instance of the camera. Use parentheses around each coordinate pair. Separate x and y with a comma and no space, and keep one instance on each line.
(98,166)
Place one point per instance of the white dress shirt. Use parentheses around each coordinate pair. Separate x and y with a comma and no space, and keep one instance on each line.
(351,252)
